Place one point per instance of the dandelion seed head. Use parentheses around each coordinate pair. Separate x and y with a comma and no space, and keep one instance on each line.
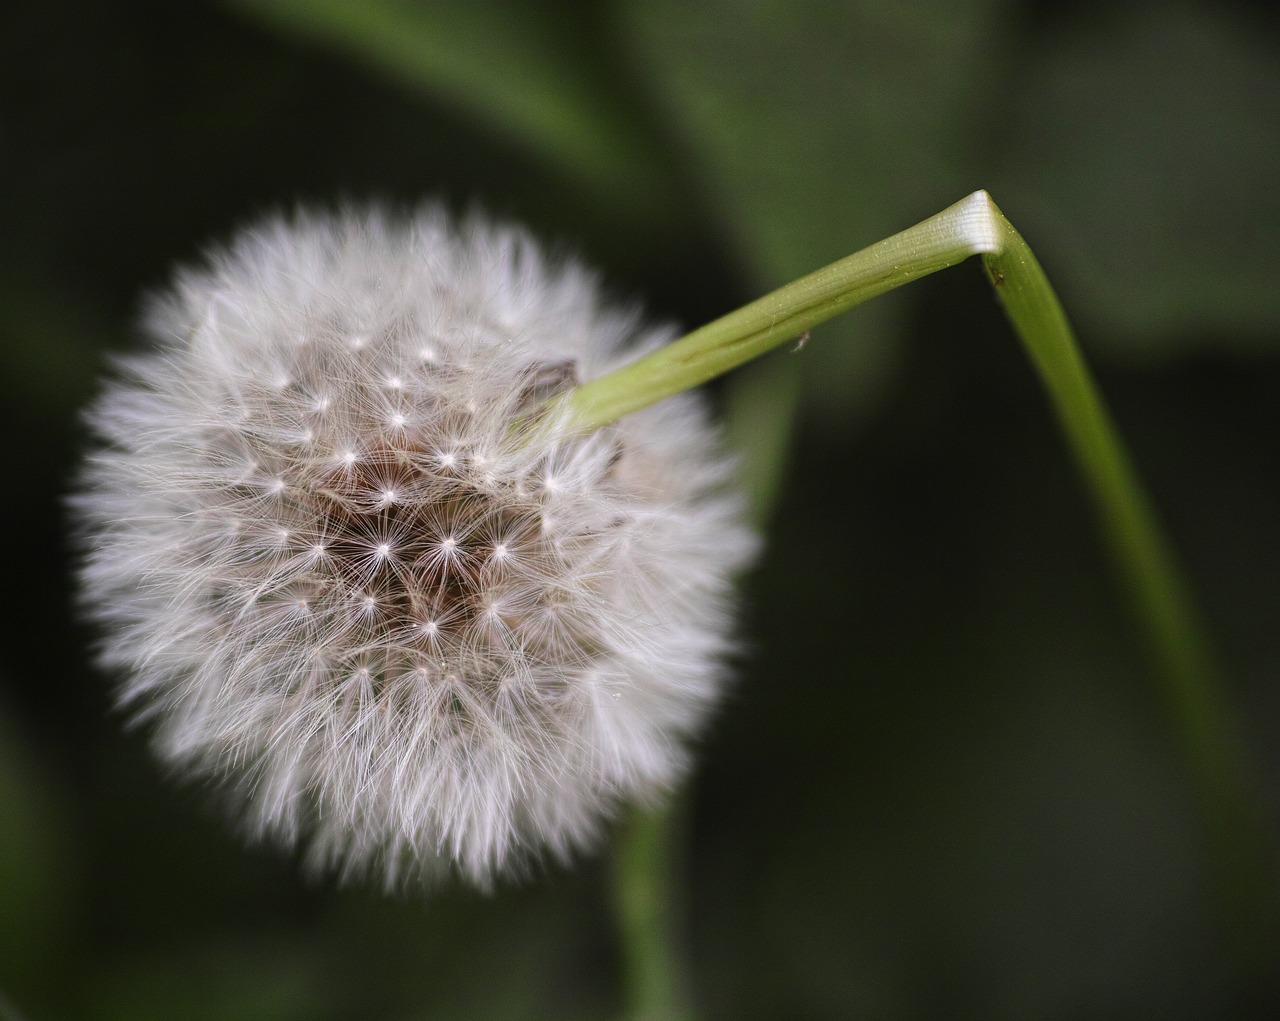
(332,576)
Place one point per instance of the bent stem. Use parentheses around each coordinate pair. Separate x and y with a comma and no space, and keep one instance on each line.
(1201,714)
(965,229)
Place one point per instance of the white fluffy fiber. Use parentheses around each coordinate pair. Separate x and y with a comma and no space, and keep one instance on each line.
(331,575)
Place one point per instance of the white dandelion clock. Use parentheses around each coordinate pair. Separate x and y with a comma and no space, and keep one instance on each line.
(331,573)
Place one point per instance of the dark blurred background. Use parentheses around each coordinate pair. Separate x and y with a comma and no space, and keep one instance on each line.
(945,784)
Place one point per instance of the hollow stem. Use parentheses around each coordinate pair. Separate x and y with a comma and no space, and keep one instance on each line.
(645,886)
(1200,710)
(965,229)
(1239,837)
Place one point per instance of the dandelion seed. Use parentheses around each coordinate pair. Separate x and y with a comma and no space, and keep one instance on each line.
(390,641)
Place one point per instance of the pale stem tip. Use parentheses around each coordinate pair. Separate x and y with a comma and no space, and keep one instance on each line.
(979,224)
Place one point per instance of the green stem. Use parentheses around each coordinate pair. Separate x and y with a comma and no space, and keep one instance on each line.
(645,885)
(1204,723)
(1239,837)
(1143,557)
(953,235)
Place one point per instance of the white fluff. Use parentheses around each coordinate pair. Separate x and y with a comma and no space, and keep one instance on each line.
(330,574)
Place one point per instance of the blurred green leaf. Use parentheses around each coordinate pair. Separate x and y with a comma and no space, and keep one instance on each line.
(517,66)
(820,127)
(759,423)
(1143,145)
